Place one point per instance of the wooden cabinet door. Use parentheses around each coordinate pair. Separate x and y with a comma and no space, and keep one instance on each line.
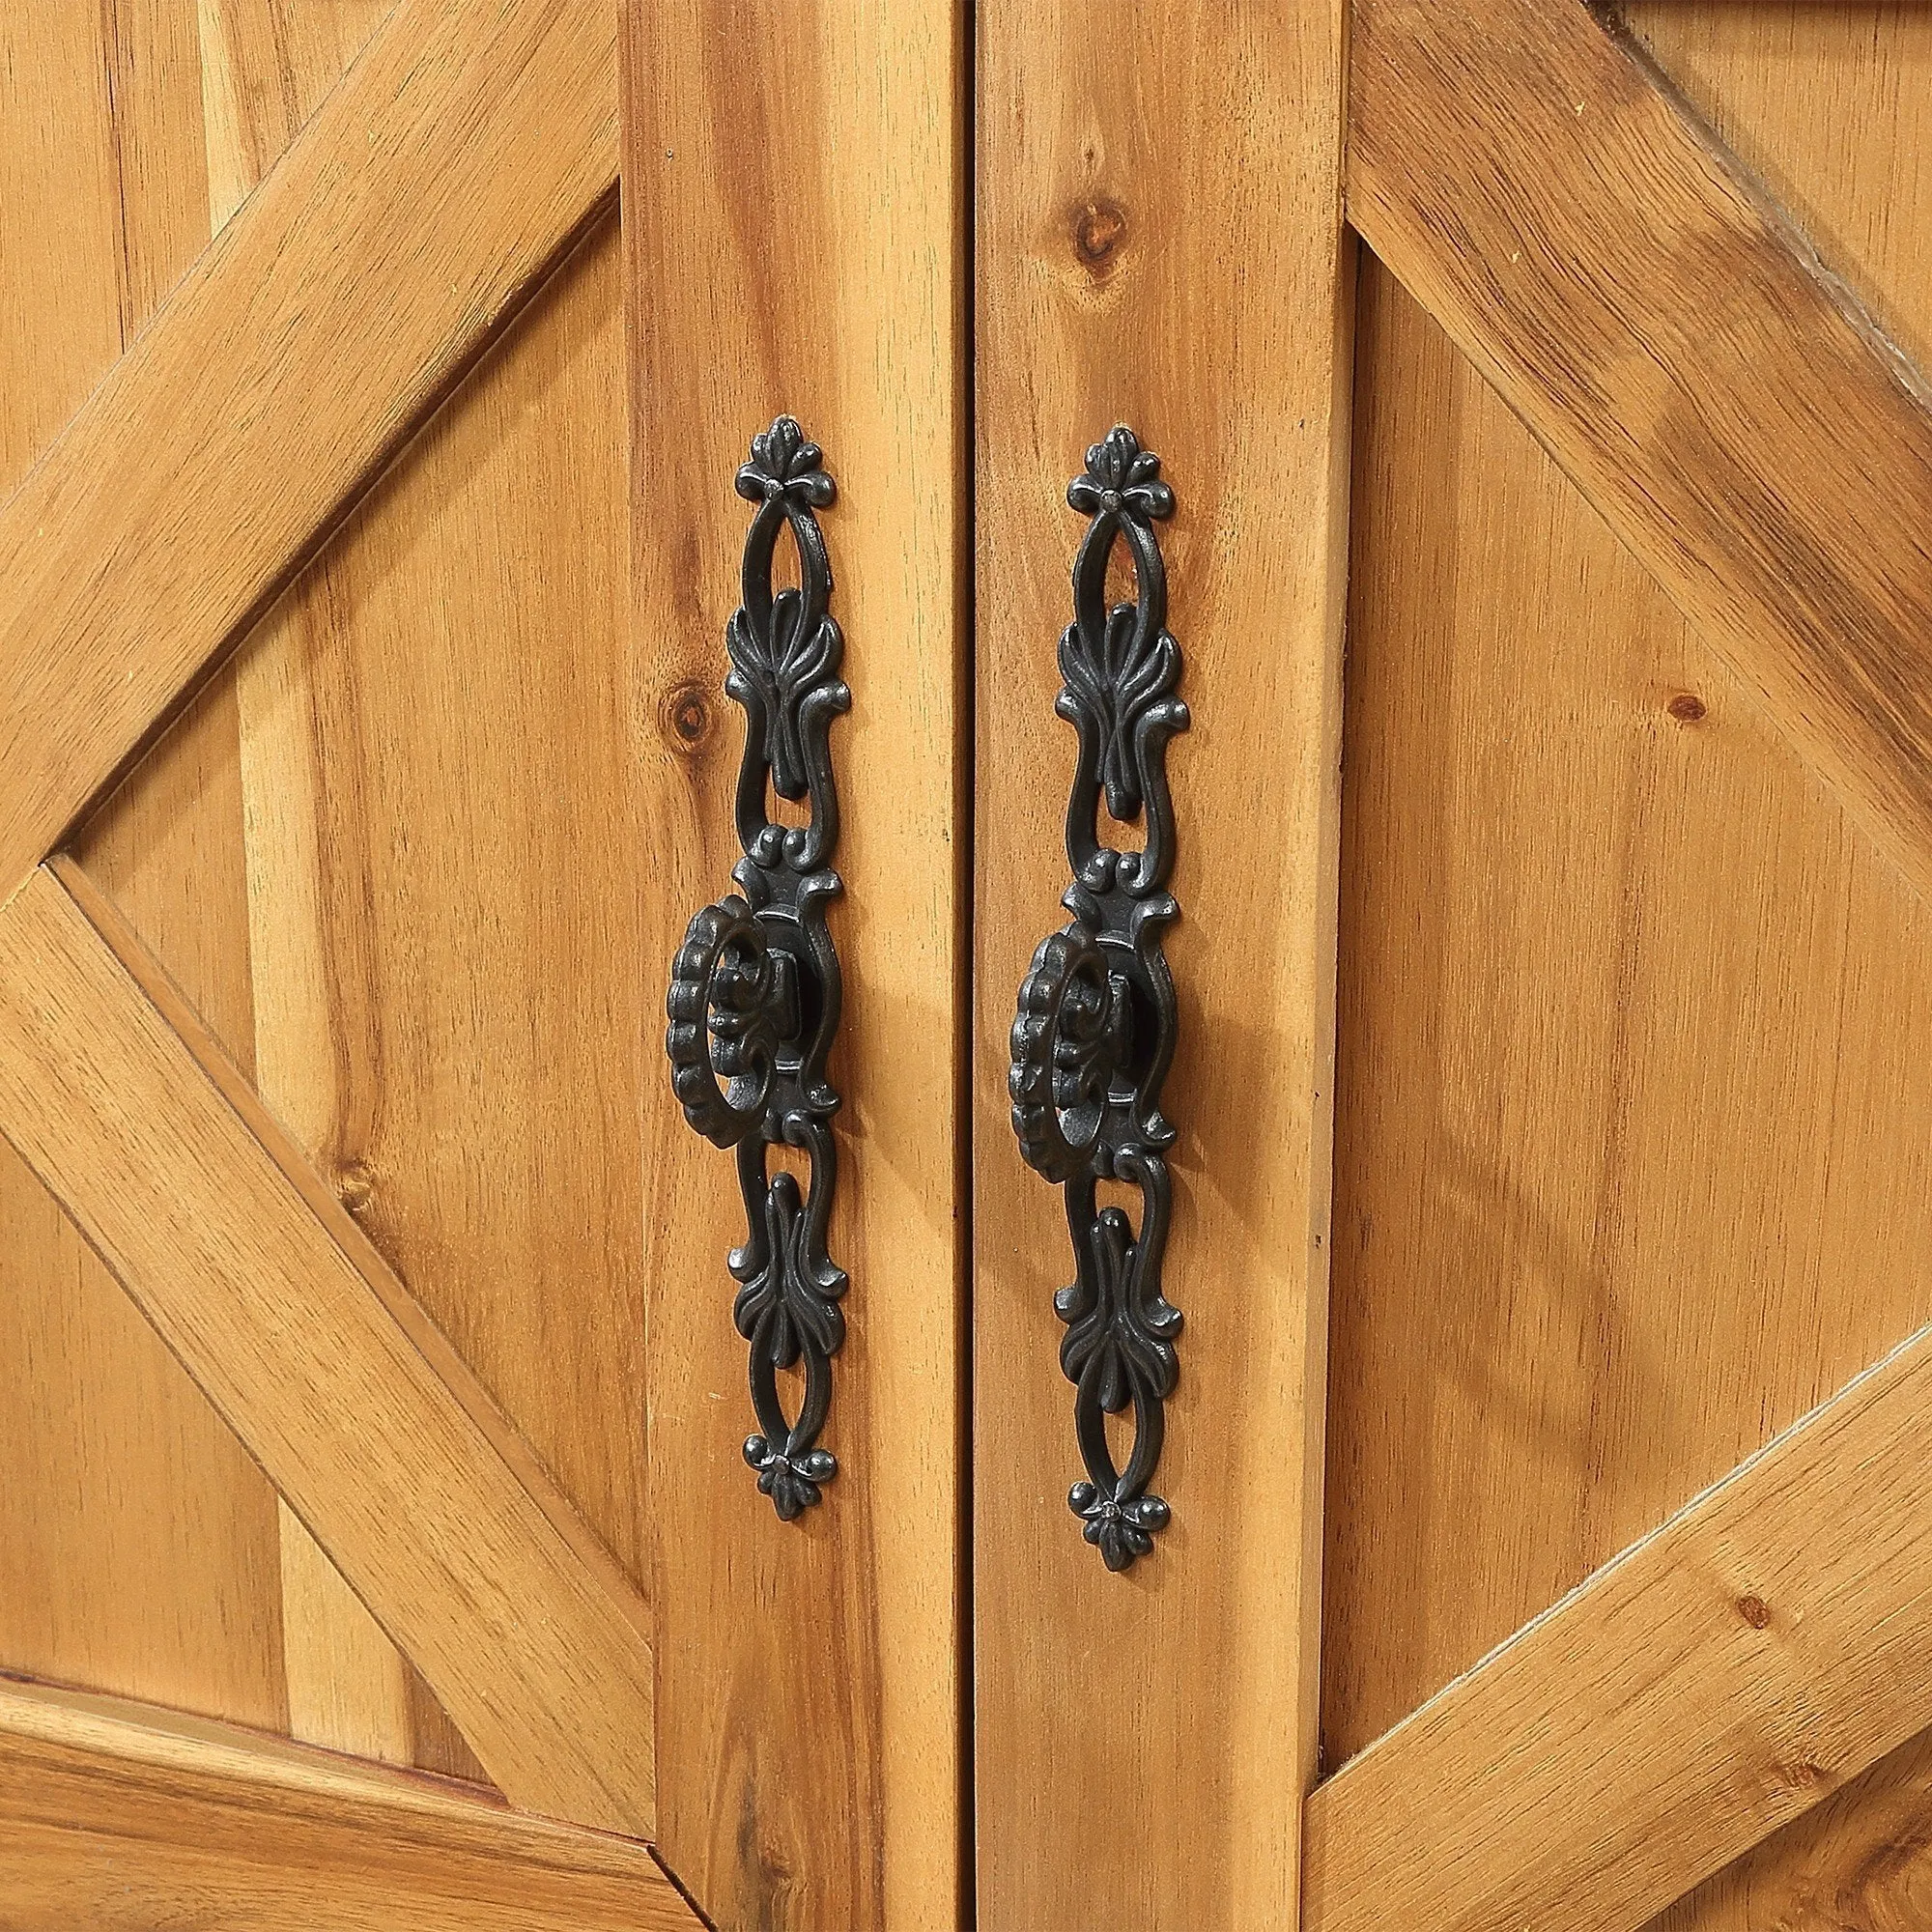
(372,539)
(1630,1208)
(1443,487)
(1159,246)
(1623,1610)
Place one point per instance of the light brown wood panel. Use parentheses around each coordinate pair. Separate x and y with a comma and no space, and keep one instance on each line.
(266,67)
(1159,244)
(794,206)
(1854,1863)
(409,713)
(1827,105)
(60,226)
(122,1817)
(137,1542)
(1769,1641)
(264,70)
(1718,394)
(1633,1053)
(212,96)
(353,1405)
(444,882)
(462,149)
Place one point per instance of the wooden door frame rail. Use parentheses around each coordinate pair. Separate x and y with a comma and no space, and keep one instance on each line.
(119,1815)
(1664,330)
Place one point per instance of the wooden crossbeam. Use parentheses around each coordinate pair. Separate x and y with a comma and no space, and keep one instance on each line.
(1720,1677)
(1680,352)
(120,1817)
(460,152)
(358,1409)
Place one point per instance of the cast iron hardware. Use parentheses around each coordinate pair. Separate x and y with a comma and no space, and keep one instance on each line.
(1096,1027)
(755,991)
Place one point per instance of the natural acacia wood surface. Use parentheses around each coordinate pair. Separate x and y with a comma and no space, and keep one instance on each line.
(1633,1053)
(459,153)
(1716,392)
(442,927)
(1159,244)
(204,100)
(1771,1640)
(162,1584)
(443,879)
(1854,1863)
(258,1278)
(794,208)
(1631,1027)
(1825,105)
(122,1817)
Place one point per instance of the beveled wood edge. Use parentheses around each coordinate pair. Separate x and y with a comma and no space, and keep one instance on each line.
(122,1739)
(354,129)
(1715,1679)
(595,1770)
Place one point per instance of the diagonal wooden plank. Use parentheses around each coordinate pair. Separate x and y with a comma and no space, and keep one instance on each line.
(1720,1677)
(122,1817)
(461,150)
(1682,353)
(306,1342)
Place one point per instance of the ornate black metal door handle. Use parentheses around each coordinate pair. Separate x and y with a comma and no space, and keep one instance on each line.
(1096,1028)
(755,990)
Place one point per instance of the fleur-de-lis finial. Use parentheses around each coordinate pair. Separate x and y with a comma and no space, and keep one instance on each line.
(1122,477)
(784,464)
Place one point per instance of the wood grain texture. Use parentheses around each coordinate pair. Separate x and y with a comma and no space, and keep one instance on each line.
(462,149)
(262,1283)
(443,883)
(1857,1861)
(1769,1641)
(122,1817)
(795,212)
(137,1542)
(1825,105)
(1720,397)
(1632,1086)
(1631,1089)
(212,96)
(440,928)
(1159,243)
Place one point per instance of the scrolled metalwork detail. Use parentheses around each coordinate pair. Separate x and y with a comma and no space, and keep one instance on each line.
(1096,1021)
(755,988)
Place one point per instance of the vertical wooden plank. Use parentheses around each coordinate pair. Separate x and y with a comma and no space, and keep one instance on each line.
(263,75)
(794,210)
(204,98)
(60,226)
(137,1542)
(1160,243)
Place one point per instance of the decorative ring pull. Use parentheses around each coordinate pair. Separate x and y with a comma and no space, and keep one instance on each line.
(1097,1022)
(755,990)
